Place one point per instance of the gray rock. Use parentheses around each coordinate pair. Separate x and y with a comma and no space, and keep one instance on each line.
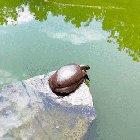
(29,110)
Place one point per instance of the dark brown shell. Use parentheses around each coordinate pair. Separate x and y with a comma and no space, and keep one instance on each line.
(70,84)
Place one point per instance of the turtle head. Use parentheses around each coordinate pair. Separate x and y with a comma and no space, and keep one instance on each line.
(85,67)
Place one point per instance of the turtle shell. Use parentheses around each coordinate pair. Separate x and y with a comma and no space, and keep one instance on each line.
(67,79)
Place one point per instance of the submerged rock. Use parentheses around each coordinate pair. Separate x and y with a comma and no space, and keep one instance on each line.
(30,110)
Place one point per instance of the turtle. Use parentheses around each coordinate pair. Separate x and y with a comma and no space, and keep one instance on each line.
(68,78)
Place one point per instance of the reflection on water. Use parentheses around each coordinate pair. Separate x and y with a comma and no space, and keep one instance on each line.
(76,36)
(116,17)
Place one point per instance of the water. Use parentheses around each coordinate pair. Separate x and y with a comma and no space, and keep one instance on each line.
(37,37)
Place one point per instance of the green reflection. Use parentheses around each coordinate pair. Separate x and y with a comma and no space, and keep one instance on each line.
(9,9)
(120,18)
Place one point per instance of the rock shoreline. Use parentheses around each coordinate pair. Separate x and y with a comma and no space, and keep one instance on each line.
(30,110)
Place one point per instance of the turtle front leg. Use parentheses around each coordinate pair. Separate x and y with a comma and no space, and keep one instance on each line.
(86,77)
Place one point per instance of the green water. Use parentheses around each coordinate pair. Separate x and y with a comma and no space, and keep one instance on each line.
(37,37)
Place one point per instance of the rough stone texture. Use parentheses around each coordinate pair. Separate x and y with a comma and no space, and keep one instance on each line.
(30,111)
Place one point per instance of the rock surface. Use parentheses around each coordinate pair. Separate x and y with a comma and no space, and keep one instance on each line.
(29,110)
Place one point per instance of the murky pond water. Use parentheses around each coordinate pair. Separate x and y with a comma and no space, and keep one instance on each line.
(38,36)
